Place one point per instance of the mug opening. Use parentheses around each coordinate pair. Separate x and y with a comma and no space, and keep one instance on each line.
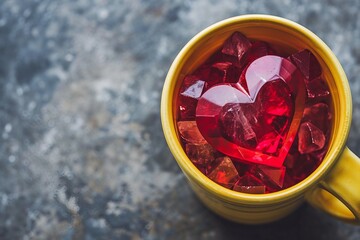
(264,27)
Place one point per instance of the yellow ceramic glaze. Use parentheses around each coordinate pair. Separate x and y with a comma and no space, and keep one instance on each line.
(338,174)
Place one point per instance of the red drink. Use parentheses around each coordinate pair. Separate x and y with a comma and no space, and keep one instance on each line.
(253,121)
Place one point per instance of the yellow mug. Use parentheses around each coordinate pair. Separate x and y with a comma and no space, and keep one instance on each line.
(333,187)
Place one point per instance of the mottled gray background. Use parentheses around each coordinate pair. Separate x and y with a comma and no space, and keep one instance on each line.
(82,154)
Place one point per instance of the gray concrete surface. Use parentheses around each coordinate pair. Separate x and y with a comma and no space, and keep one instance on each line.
(82,154)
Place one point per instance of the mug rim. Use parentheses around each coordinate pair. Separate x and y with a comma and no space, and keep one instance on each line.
(191,171)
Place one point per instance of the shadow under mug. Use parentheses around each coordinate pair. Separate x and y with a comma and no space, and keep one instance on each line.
(333,187)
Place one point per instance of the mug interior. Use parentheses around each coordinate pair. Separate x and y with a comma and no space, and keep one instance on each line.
(285,36)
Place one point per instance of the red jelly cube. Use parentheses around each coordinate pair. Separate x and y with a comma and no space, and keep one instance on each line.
(257,50)
(320,154)
(222,66)
(224,173)
(237,45)
(290,160)
(188,81)
(187,108)
(213,74)
(311,138)
(303,166)
(231,73)
(216,76)
(270,184)
(307,63)
(242,167)
(192,89)
(276,175)
(200,155)
(249,184)
(189,132)
(317,90)
(219,57)
(319,115)
(250,189)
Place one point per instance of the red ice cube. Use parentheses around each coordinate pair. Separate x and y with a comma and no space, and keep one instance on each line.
(237,45)
(200,155)
(319,115)
(317,90)
(249,184)
(192,89)
(257,50)
(190,133)
(230,73)
(276,175)
(311,138)
(307,63)
(224,173)
(301,166)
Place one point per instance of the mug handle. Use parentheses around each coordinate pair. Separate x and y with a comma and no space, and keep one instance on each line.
(339,193)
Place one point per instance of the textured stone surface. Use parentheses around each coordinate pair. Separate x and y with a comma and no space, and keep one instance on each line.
(82,154)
